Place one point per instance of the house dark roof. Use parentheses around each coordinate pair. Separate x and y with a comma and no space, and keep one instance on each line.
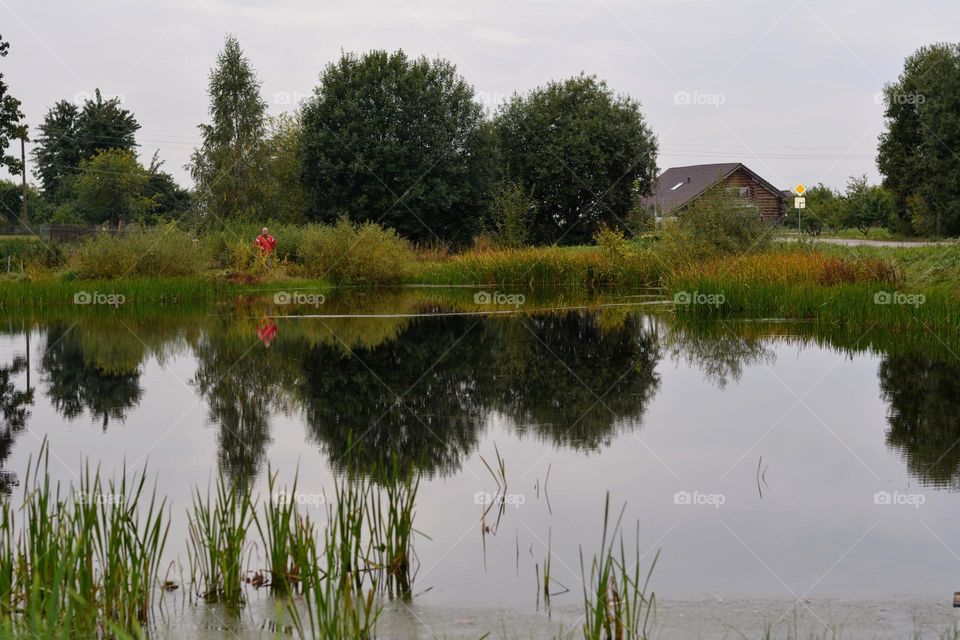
(679,185)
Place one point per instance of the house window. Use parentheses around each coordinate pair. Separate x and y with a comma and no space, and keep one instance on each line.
(676,186)
(744,192)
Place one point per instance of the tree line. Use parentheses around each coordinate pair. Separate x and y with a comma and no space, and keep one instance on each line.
(405,142)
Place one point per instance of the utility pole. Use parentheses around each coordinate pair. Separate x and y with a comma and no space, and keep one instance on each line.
(24,219)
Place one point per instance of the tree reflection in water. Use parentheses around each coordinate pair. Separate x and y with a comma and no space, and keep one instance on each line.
(421,390)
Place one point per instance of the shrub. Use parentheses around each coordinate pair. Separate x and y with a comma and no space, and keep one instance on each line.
(221,245)
(716,224)
(246,258)
(158,251)
(612,243)
(29,250)
(513,211)
(347,253)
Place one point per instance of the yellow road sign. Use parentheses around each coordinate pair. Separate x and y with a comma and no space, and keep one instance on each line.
(799,189)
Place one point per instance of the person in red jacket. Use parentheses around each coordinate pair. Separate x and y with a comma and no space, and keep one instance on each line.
(265,241)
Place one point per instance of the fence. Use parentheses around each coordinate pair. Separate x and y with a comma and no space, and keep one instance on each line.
(71,232)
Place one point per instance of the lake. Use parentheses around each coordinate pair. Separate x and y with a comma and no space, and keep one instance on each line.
(788,473)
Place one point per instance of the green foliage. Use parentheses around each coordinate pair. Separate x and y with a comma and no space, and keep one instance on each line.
(25,250)
(111,187)
(69,135)
(581,152)
(172,200)
(218,531)
(915,153)
(11,127)
(807,222)
(715,224)
(349,253)
(866,206)
(227,168)
(400,142)
(165,251)
(66,213)
(612,243)
(512,212)
(284,197)
(641,218)
(222,245)
(82,563)
(11,204)
(825,208)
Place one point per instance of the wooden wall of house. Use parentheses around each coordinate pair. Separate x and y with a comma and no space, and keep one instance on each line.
(769,204)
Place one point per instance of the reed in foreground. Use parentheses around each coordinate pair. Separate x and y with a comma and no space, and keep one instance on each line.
(83,563)
(617,602)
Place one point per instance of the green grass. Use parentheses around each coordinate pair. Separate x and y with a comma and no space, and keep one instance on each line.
(921,266)
(83,561)
(856,305)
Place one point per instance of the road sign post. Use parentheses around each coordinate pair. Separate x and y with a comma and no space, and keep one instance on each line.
(800,203)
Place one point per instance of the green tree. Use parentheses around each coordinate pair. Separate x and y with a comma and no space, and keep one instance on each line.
(172,200)
(69,135)
(866,205)
(401,142)
(917,151)
(512,211)
(10,117)
(112,186)
(11,203)
(825,208)
(285,199)
(581,151)
(227,166)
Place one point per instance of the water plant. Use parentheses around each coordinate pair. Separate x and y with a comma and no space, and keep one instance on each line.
(83,561)
(218,529)
(616,601)
(277,529)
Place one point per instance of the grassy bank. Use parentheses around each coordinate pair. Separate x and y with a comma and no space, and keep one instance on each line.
(167,266)
(853,288)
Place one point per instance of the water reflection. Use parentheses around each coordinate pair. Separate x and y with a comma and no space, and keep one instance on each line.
(719,351)
(924,415)
(82,373)
(14,404)
(424,389)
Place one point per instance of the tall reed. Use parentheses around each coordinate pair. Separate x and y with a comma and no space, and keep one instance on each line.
(84,562)
(277,533)
(217,539)
(616,602)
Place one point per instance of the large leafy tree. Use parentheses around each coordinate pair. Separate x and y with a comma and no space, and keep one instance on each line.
(285,199)
(71,134)
(10,117)
(581,151)
(917,153)
(112,186)
(227,166)
(398,141)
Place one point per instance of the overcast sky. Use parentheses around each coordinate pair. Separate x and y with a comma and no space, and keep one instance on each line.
(787,87)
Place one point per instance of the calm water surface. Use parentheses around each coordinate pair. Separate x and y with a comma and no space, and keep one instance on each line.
(767,462)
